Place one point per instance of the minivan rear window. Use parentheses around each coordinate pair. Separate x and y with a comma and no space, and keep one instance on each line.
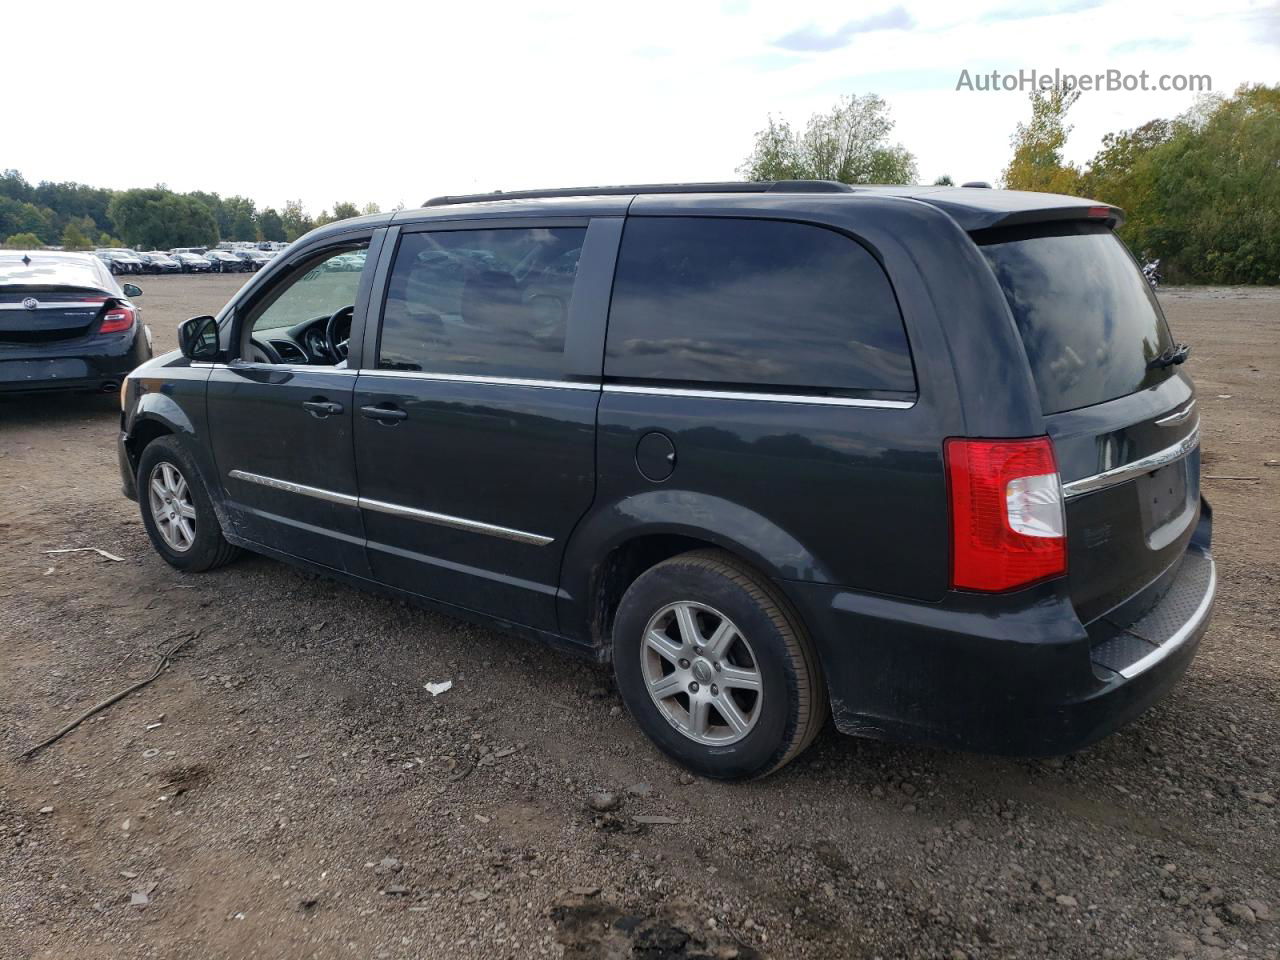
(765,304)
(1088,318)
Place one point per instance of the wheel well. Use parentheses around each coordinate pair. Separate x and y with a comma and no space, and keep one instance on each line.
(621,568)
(143,433)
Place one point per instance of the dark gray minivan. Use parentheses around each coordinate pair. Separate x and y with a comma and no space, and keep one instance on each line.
(922,458)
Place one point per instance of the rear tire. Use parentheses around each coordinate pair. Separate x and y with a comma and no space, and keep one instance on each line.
(716,668)
(177,511)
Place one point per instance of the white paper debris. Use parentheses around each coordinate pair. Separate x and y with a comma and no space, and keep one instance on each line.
(436,688)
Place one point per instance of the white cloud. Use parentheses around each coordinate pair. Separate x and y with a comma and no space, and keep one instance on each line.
(393,102)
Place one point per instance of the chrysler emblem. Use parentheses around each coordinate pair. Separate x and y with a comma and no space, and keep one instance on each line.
(31,303)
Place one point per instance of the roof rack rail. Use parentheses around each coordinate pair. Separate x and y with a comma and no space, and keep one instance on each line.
(732,186)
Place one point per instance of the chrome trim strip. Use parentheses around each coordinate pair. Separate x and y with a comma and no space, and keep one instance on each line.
(494,381)
(1178,416)
(269,367)
(332,496)
(457,523)
(1136,468)
(1182,634)
(58,305)
(775,397)
(291,367)
(412,513)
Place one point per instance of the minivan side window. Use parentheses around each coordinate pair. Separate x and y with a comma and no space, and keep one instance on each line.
(328,284)
(761,303)
(481,302)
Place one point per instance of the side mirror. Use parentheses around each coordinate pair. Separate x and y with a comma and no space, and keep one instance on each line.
(198,338)
(131,290)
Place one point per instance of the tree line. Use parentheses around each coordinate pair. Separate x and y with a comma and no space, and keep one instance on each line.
(1201,191)
(79,217)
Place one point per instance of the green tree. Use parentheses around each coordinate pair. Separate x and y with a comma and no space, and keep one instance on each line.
(345,211)
(295,220)
(19,216)
(850,144)
(23,241)
(158,219)
(14,186)
(70,201)
(270,226)
(1037,162)
(370,208)
(1202,191)
(944,181)
(75,237)
(239,219)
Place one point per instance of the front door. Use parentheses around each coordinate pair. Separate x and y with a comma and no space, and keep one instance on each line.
(475,437)
(280,411)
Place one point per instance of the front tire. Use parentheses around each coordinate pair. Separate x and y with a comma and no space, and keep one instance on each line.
(177,511)
(716,668)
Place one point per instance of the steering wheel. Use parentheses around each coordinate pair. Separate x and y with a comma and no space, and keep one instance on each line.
(269,353)
(338,348)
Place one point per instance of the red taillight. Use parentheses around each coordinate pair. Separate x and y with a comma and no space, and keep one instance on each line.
(1099,213)
(1007,524)
(117,319)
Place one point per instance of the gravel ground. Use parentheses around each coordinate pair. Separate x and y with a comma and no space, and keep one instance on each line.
(287,788)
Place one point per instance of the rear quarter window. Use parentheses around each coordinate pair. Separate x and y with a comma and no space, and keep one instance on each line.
(754,303)
(1088,319)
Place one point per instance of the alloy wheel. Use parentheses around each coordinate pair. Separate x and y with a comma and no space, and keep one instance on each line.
(701,673)
(172,509)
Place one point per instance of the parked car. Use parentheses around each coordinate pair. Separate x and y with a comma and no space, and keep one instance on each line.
(224,261)
(198,251)
(252,259)
(923,458)
(192,263)
(66,323)
(157,261)
(119,261)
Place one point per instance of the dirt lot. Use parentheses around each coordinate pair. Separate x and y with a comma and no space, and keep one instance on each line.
(289,789)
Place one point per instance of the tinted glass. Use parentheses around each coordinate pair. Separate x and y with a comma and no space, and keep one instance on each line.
(1088,319)
(481,302)
(753,303)
(325,288)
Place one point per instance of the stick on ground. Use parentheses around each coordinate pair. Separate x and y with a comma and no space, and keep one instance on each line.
(115,697)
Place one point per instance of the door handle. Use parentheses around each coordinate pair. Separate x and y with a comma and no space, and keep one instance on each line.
(384,414)
(322,408)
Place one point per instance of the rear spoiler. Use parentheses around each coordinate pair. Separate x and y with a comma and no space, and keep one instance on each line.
(1012,208)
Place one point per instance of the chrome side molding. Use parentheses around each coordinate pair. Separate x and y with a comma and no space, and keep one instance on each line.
(457,523)
(331,496)
(773,397)
(412,513)
(593,385)
(1135,468)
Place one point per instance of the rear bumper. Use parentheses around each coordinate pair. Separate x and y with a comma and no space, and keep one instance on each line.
(1019,675)
(97,363)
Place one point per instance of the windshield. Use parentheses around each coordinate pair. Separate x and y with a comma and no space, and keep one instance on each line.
(1088,319)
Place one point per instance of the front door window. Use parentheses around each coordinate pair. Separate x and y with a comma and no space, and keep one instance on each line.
(307,317)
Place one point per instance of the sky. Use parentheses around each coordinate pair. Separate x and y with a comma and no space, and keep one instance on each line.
(392,103)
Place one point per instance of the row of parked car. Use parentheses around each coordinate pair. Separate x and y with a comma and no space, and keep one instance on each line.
(245,259)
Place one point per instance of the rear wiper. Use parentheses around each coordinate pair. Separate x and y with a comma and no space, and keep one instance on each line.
(1175,354)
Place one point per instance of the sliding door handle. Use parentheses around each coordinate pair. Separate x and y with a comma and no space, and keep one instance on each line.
(322,408)
(384,414)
